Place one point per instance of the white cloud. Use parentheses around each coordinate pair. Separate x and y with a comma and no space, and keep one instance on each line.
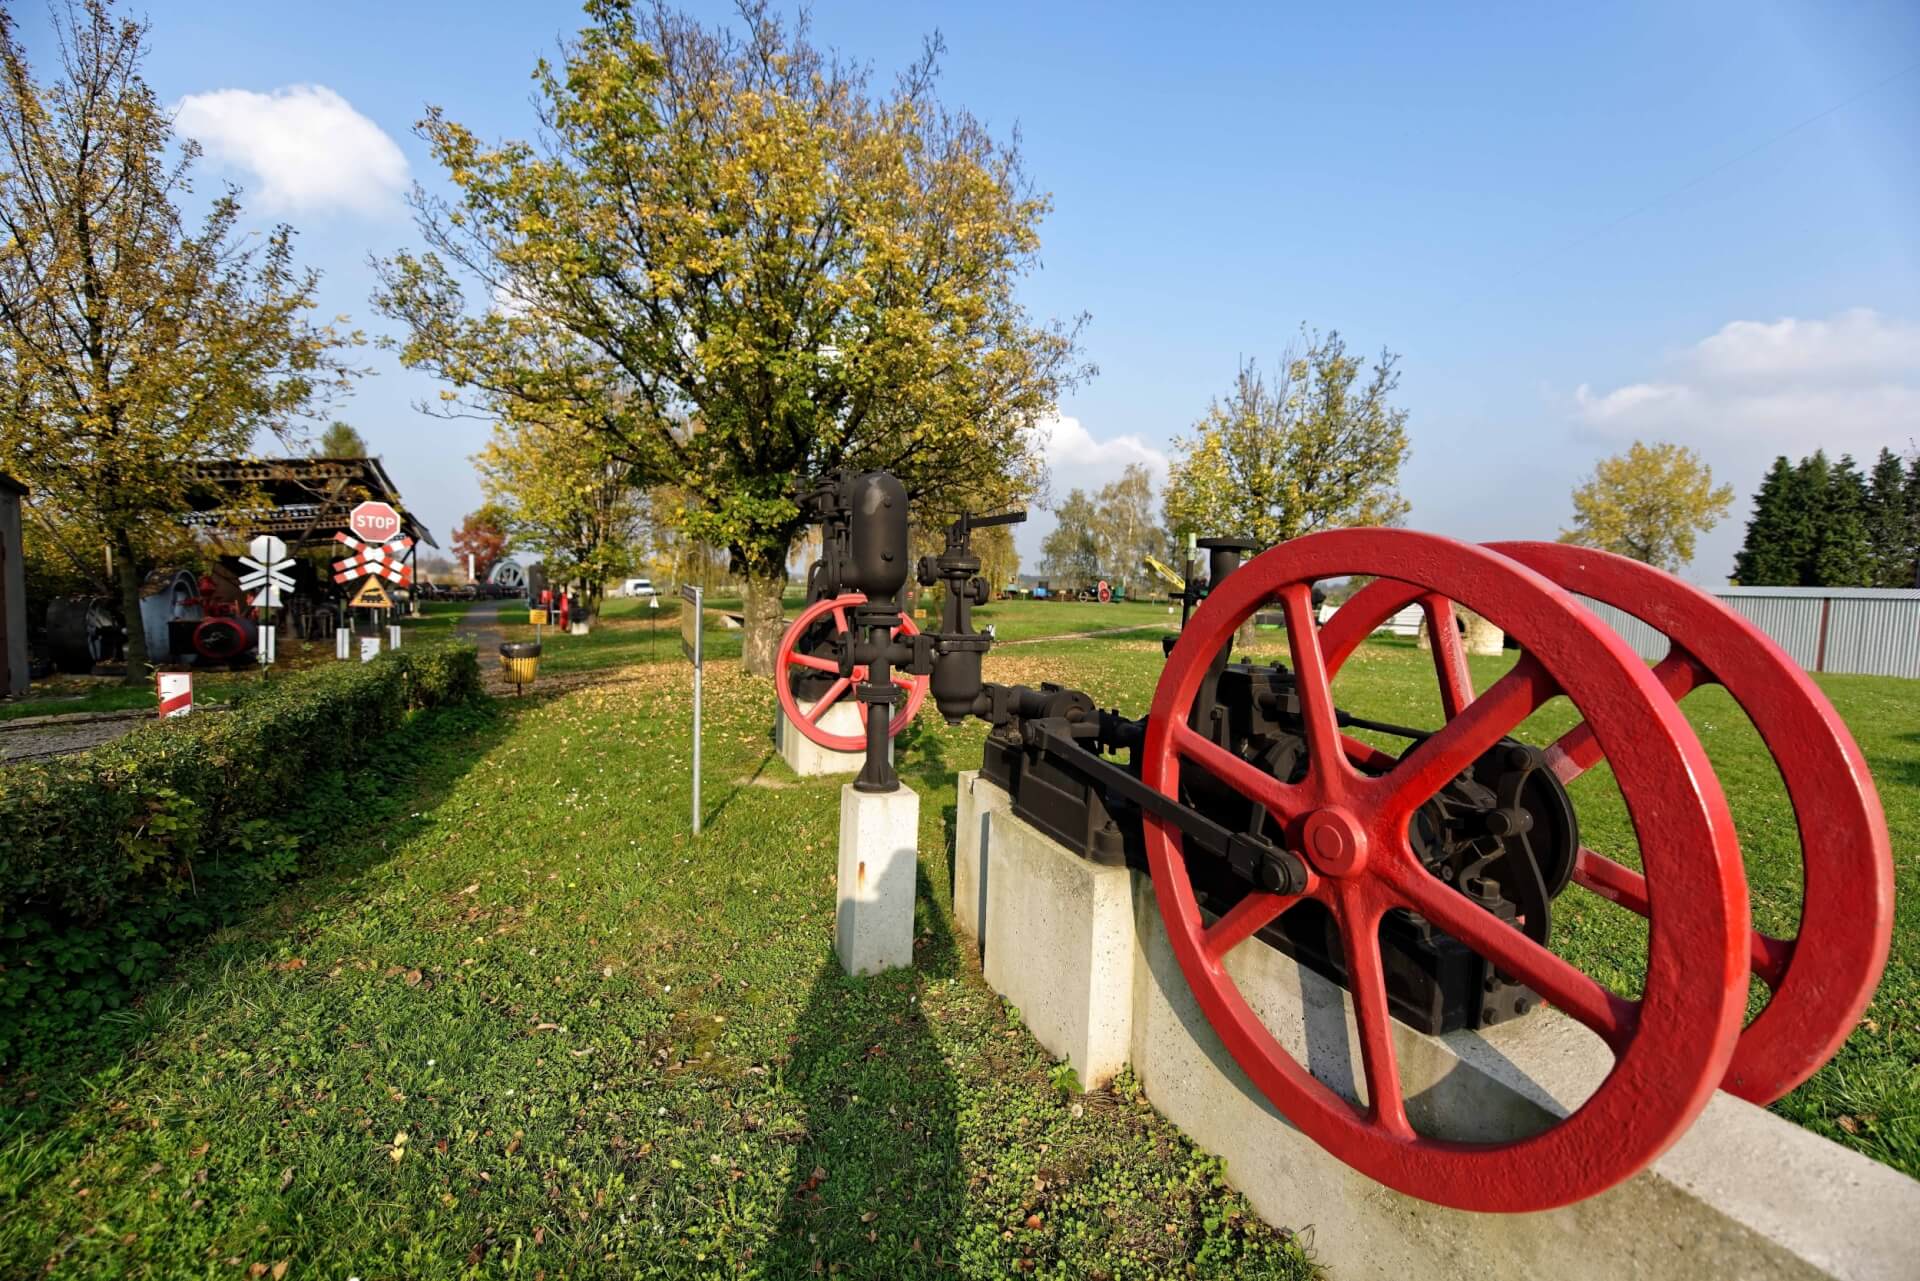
(1850,383)
(301,148)
(1077,460)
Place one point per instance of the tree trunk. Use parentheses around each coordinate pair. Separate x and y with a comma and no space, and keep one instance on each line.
(764,621)
(128,574)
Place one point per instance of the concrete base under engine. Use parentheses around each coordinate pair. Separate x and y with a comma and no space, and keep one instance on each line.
(1081,950)
(810,760)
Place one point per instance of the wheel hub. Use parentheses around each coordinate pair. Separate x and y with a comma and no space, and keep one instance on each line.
(1333,842)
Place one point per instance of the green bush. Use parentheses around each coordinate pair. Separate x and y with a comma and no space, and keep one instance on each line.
(113,856)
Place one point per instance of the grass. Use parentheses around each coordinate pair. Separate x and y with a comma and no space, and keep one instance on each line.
(525,1024)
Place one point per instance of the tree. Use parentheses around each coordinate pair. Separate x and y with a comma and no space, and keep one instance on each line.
(1843,553)
(1889,521)
(1913,513)
(999,557)
(1320,447)
(1778,534)
(481,536)
(1070,552)
(1812,477)
(1650,503)
(131,346)
(1123,525)
(780,271)
(564,497)
(340,440)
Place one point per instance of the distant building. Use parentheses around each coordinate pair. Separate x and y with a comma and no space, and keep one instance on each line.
(13,592)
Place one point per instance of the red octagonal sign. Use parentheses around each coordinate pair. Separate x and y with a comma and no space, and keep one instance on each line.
(374,522)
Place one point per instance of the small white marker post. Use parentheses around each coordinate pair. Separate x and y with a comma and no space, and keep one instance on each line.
(266,578)
(690,646)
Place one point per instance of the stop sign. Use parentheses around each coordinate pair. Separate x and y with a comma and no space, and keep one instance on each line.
(374,522)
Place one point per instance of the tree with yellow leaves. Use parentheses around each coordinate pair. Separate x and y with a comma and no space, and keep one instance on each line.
(739,263)
(131,346)
(1320,446)
(567,498)
(1649,503)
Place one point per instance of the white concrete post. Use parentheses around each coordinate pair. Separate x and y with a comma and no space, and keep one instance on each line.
(1059,943)
(977,799)
(810,760)
(879,861)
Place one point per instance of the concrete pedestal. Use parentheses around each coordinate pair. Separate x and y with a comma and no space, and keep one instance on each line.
(1743,1193)
(810,760)
(977,799)
(1060,946)
(879,860)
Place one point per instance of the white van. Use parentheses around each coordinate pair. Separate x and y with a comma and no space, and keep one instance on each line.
(638,587)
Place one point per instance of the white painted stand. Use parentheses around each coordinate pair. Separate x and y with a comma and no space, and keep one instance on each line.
(810,760)
(1743,1193)
(879,859)
(579,629)
(978,799)
(343,642)
(1059,945)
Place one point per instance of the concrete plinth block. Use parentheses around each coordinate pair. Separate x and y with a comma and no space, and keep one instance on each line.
(977,798)
(1483,637)
(810,760)
(1743,1193)
(1059,936)
(879,842)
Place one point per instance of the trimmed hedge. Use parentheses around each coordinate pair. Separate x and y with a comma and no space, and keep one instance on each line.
(111,856)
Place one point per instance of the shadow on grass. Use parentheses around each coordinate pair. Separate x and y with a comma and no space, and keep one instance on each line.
(878,1186)
(402,778)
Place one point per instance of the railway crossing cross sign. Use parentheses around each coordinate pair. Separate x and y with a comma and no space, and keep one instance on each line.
(266,574)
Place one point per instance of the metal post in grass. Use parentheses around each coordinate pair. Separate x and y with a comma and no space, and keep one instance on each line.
(690,646)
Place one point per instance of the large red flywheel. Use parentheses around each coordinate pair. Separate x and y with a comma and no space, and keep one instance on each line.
(1819,982)
(1671,1047)
(839,609)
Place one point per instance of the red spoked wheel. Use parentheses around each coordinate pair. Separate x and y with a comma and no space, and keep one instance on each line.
(1351,829)
(808,722)
(1819,982)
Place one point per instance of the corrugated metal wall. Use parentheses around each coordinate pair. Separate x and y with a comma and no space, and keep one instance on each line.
(1867,631)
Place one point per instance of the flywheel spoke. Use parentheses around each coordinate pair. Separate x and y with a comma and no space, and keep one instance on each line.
(809,660)
(1325,753)
(1245,919)
(1623,885)
(1577,751)
(1449,655)
(1282,800)
(1451,750)
(1613,1017)
(1360,940)
(828,699)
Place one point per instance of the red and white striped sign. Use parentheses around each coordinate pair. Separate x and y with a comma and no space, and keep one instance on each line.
(175,691)
(374,560)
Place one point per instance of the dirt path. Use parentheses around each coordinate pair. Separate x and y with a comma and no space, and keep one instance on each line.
(1105,631)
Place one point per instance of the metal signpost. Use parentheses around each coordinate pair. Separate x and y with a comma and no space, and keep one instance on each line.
(267,568)
(690,646)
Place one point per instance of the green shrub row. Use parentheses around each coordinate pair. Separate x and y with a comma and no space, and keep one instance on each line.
(110,858)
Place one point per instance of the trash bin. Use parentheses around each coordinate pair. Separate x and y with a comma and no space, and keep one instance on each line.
(521,662)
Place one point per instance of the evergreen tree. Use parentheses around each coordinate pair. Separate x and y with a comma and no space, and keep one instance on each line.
(1890,523)
(1808,499)
(1768,557)
(1844,554)
(1913,520)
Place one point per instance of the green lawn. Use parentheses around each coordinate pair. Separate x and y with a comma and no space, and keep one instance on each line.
(526,1024)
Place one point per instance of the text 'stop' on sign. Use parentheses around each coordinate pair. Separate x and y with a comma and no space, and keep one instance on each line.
(374,522)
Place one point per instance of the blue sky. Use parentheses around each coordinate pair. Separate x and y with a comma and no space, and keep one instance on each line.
(1577,224)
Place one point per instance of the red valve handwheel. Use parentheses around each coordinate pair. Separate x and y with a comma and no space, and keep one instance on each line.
(1816,993)
(808,723)
(1671,1046)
